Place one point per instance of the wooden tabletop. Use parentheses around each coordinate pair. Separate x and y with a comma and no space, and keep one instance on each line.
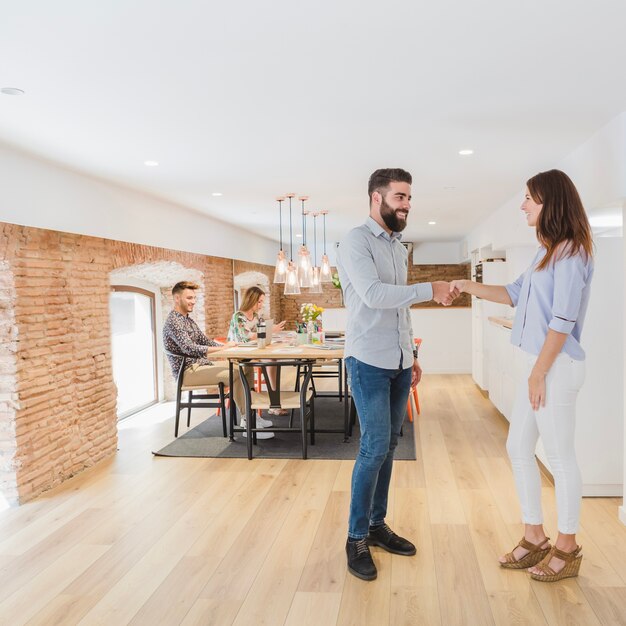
(278,351)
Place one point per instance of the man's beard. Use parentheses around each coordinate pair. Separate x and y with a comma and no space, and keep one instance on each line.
(390,218)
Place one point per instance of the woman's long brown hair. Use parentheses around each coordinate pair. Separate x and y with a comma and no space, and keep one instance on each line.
(251,297)
(562,227)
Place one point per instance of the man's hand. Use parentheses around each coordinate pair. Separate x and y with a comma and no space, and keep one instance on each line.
(442,293)
(416,374)
(228,344)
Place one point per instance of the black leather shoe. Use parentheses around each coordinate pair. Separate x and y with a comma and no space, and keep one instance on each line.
(360,562)
(384,537)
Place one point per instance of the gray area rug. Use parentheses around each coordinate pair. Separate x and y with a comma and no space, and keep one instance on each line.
(206,440)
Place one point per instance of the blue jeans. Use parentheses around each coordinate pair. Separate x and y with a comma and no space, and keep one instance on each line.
(380,396)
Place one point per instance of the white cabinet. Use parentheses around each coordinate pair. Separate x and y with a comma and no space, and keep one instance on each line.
(494,273)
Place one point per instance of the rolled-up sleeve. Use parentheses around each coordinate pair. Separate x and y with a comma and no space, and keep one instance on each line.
(358,264)
(514,289)
(569,282)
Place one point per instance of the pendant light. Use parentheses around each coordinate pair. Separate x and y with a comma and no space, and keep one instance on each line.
(325,271)
(281,261)
(316,285)
(291,278)
(304,256)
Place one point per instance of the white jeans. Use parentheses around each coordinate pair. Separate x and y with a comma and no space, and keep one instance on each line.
(555,423)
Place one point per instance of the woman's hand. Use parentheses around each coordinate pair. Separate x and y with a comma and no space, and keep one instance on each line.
(278,327)
(458,286)
(537,389)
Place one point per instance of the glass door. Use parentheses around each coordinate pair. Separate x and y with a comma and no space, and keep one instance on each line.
(133,341)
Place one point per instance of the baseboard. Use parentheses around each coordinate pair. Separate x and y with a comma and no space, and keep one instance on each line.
(622,514)
(602,491)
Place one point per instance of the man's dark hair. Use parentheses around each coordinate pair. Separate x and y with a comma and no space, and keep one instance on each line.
(181,286)
(380,179)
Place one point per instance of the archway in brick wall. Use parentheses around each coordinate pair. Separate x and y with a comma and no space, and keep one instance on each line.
(162,276)
(9,399)
(245,280)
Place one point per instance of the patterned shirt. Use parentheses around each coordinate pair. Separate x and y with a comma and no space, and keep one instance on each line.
(181,334)
(241,327)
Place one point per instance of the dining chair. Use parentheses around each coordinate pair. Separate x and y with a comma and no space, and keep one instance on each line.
(413,392)
(277,398)
(210,400)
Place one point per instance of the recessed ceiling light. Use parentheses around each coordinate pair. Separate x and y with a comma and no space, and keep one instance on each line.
(466,152)
(431,223)
(298,235)
(449,187)
(12,91)
(151,163)
(216,194)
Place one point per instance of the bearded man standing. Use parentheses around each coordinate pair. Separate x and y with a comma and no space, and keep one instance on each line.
(381,359)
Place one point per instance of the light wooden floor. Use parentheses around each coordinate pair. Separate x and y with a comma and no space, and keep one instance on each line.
(145,540)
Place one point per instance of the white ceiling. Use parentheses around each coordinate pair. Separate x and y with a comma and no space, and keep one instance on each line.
(255,99)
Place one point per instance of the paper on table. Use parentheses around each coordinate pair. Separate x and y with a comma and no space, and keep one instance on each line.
(290,349)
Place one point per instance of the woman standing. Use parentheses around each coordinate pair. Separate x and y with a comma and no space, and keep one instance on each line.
(243,328)
(551,299)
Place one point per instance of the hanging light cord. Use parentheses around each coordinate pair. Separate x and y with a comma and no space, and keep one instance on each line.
(290,234)
(280,221)
(315,237)
(324,216)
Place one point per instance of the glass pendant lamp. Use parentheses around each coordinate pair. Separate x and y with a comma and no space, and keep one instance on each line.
(304,256)
(280,272)
(325,271)
(316,285)
(292,287)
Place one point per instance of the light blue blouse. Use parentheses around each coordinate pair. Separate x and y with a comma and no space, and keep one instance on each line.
(555,298)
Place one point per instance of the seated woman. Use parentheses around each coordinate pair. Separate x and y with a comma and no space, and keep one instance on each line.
(243,328)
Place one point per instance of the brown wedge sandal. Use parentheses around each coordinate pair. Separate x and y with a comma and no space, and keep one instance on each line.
(535,554)
(570,569)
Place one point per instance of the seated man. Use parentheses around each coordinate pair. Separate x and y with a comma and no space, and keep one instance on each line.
(181,334)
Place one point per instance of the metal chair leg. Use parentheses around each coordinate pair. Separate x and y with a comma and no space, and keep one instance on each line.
(189,399)
(222,408)
(178,397)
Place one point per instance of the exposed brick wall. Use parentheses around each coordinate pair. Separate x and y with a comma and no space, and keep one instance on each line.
(57,395)
(8,384)
(65,419)
(276,291)
(448,272)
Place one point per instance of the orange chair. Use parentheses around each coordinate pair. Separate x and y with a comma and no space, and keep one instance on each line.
(413,392)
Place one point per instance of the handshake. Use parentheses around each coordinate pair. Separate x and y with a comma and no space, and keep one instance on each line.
(446,292)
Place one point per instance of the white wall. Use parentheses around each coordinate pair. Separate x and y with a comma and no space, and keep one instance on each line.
(434,253)
(622,509)
(41,194)
(598,168)
(446,335)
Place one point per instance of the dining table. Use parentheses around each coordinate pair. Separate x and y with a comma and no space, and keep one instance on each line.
(284,351)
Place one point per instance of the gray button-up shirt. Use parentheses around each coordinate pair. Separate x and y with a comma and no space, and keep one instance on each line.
(373,269)
(556,298)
